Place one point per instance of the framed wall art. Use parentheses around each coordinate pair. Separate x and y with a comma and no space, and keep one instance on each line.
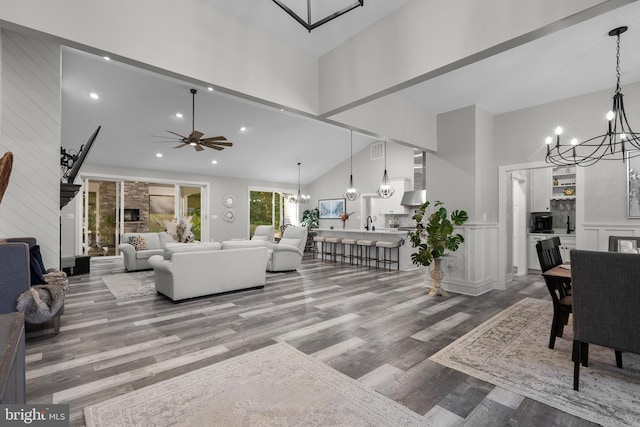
(331,208)
(633,185)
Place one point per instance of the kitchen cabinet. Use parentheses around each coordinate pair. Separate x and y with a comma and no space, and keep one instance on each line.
(566,244)
(391,206)
(541,189)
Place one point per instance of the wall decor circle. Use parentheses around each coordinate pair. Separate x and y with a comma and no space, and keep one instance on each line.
(228,201)
(229,215)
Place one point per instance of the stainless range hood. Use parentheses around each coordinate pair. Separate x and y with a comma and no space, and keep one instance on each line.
(418,196)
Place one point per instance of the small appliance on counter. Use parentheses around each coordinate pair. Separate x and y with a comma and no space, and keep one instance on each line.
(542,222)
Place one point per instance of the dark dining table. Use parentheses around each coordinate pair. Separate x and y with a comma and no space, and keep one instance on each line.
(561,271)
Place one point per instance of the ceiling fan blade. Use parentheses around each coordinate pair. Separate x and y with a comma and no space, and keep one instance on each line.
(196,135)
(181,145)
(214,147)
(198,147)
(177,134)
(214,138)
(226,144)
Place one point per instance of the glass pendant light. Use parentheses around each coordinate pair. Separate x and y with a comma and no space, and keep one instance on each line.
(352,193)
(385,190)
(299,198)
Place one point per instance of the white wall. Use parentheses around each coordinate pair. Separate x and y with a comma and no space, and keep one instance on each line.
(30,128)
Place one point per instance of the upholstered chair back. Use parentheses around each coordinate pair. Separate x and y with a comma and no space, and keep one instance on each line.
(295,236)
(264,232)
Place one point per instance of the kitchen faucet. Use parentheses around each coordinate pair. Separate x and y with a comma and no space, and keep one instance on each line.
(366,227)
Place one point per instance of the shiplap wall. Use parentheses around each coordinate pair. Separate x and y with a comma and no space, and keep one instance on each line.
(30,128)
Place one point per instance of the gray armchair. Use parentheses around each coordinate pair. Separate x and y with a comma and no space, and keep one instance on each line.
(606,297)
(287,254)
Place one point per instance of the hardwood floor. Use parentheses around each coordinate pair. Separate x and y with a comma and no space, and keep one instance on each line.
(372,325)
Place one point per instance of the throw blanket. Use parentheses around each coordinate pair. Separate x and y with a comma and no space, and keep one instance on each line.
(41,303)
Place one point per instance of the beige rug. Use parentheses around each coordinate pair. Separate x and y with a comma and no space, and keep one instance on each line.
(130,285)
(274,386)
(511,350)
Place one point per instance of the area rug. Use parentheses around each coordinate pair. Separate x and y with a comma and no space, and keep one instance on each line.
(130,285)
(511,351)
(274,386)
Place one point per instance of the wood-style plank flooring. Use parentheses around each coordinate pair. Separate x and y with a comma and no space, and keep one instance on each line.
(372,325)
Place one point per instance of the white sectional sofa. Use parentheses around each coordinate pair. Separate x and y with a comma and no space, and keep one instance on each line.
(193,270)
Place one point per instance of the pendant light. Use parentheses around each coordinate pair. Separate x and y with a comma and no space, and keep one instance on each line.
(385,190)
(352,193)
(299,198)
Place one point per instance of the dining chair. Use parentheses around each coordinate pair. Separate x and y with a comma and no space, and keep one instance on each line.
(559,288)
(619,244)
(605,304)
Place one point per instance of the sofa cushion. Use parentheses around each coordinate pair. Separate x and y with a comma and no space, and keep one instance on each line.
(241,244)
(173,248)
(290,242)
(138,242)
(148,253)
(263,238)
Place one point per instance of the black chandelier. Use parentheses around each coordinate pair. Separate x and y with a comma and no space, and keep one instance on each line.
(618,143)
(310,23)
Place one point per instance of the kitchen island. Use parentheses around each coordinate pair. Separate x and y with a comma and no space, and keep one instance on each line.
(387,235)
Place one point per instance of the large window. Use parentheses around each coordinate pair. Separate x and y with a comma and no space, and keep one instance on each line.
(113,207)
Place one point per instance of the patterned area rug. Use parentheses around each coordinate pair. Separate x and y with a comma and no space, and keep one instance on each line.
(511,351)
(130,285)
(276,385)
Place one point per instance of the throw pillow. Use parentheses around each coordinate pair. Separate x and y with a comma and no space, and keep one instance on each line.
(290,242)
(171,225)
(138,242)
(37,277)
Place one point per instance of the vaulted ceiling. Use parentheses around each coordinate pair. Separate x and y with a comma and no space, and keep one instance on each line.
(136,105)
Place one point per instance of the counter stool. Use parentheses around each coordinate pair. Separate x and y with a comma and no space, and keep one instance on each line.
(332,246)
(351,244)
(319,240)
(364,251)
(386,250)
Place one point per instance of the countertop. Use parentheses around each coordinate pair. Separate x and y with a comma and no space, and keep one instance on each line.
(555,233)
(353,230)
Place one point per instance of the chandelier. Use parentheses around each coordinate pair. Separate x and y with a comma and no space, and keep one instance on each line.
(317,15)
(352,193)
(299,198)
(385,190)
(614,144)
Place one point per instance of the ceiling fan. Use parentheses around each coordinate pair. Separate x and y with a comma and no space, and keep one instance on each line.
(195,137)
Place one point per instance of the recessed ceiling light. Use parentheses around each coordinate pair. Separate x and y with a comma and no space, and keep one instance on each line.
(158,154)
(215,162)
(106,58)
(243,129)
(94,95)
(282,109)
(179,115)
(210,89)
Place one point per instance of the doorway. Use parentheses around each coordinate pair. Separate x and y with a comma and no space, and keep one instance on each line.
(519,212)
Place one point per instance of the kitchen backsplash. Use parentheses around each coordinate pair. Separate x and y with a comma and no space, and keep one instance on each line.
(561,210)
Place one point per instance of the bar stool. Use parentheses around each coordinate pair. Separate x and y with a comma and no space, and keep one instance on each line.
(332,246)
(364,251)
(386,249)
(319,240)
(351,244)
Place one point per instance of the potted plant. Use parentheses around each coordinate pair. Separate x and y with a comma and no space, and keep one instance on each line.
(432,236)
(310,218)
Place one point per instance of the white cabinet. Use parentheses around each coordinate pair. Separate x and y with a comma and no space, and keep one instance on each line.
(533,263)
(541,190)
(566,244)
(392,204)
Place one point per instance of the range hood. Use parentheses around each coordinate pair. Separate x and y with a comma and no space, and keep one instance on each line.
(418,196)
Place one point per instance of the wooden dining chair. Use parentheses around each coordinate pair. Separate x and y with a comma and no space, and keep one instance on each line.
(606,297)
(559,288)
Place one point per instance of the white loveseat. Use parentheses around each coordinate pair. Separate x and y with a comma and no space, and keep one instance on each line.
(193,270)
(135,260)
